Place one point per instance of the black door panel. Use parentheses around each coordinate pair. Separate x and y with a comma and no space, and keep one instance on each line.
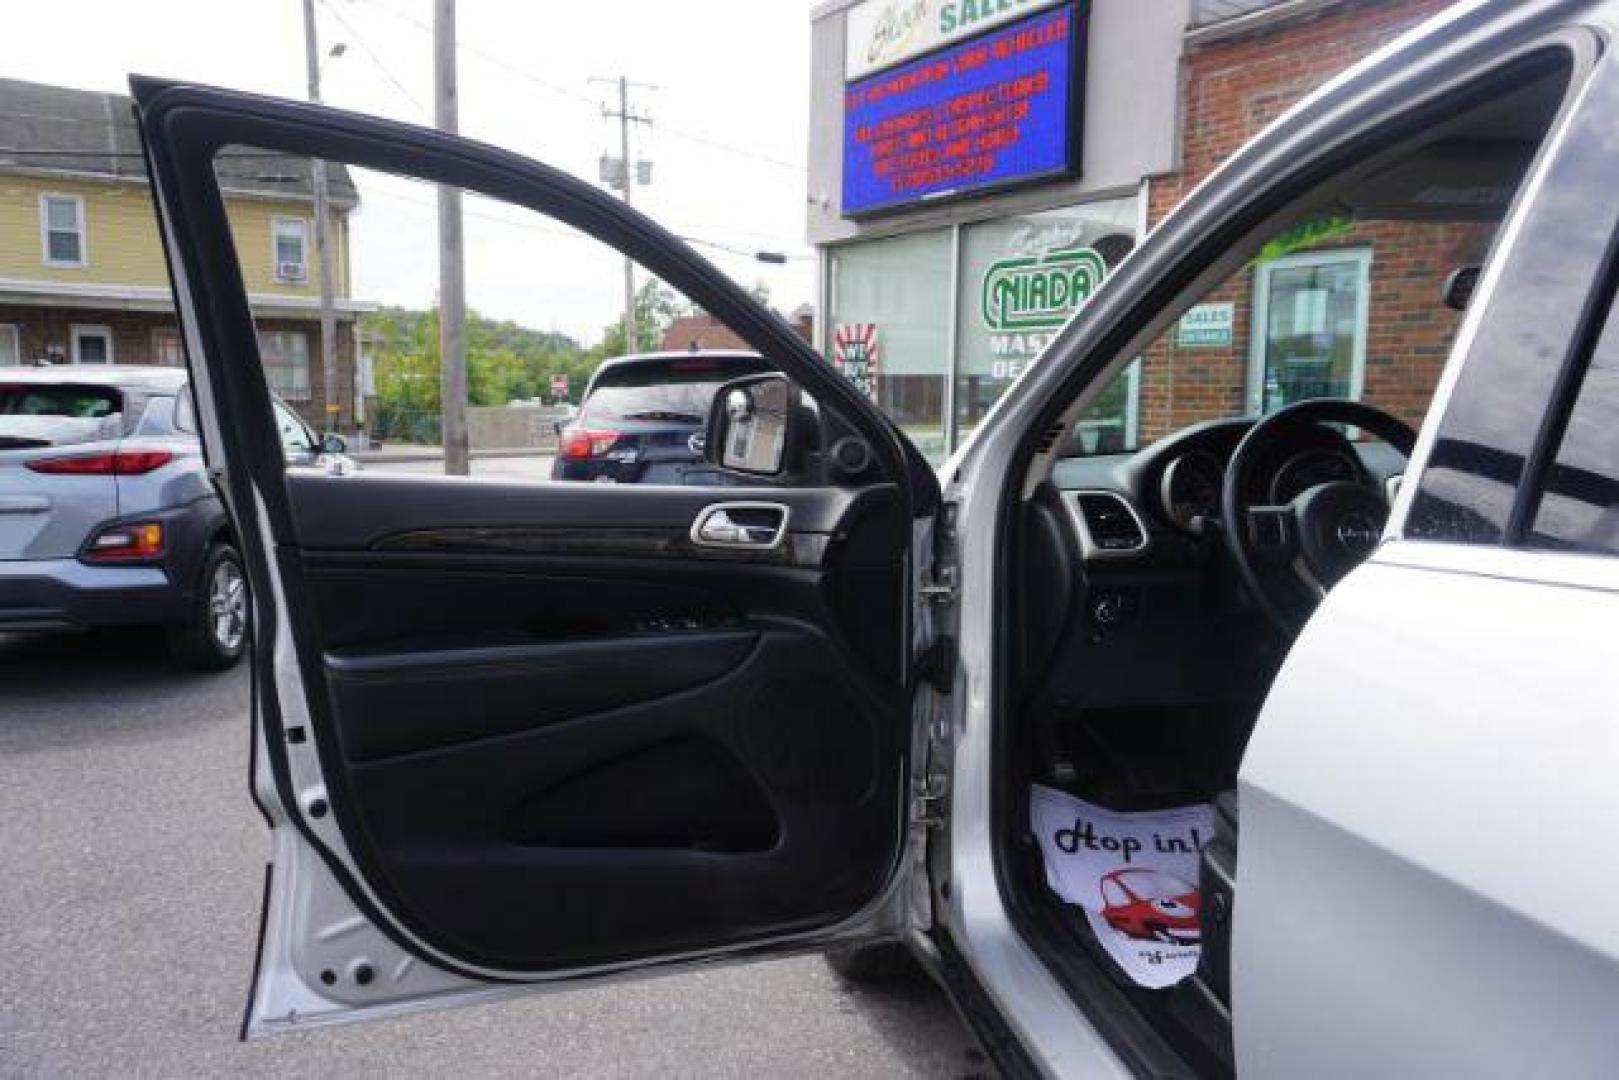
(412,699)
(726,812)
(402,505)
(682,747)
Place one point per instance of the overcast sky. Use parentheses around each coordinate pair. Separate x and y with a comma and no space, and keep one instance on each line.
(733,72)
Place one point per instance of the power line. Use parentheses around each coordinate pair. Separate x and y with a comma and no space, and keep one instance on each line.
(573,235)
(557,88)
(489,57)
(376,60)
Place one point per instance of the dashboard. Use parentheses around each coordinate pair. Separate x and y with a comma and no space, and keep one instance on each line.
(1176,484)
(1135,617)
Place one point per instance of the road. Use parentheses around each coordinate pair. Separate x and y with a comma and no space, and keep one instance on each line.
(130,869)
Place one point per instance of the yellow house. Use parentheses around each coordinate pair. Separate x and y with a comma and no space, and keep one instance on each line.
(82,276)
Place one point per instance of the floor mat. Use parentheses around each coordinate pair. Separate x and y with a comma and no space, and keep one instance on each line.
(1133,875)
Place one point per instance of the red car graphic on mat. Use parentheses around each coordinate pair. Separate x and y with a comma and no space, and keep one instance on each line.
(1149,905)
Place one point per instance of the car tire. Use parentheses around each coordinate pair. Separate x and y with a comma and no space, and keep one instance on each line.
(872,965)
(215,636)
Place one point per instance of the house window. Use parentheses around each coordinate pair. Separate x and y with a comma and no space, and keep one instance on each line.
(289,248)
(10,347)
(166,347)
(286,363)
(1310,314)
(92,344)
(61,230)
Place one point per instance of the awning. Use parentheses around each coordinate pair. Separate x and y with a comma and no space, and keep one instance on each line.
(148,298)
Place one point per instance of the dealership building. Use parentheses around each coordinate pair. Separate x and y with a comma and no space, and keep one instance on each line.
(978,167)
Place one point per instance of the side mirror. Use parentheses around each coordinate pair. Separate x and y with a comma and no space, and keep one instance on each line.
(1459,287)
(753,426)
(333,443)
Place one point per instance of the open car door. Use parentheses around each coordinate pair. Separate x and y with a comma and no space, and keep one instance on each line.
(513,734)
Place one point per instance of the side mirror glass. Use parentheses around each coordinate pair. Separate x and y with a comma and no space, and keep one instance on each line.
(1459,287)
(333,443)
(751,425)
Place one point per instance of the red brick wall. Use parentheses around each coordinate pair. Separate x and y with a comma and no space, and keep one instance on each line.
(700,331)
(44,331)
(1231,89)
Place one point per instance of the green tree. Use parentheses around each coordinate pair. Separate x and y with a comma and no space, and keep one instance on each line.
(657,306)
(505,362)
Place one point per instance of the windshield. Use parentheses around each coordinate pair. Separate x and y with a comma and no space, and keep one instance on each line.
(33,416)
(1357,296)
(678,393)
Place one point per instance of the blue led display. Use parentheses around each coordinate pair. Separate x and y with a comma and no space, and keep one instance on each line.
(996,110)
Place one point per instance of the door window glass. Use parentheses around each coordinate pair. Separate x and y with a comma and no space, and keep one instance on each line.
(890,329)
(555,389)
(1579,498)
(1343,308)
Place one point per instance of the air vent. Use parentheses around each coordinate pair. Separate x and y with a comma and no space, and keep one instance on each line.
(1109,525)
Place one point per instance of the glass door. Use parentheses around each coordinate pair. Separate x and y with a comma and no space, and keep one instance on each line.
(1310,314)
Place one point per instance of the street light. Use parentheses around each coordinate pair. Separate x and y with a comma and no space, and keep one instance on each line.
(334,53)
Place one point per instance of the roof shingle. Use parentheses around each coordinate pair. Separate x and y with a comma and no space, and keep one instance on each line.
(60,129)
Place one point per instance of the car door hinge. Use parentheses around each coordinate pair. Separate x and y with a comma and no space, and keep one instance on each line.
(941,589)
(937,666)
(928,800)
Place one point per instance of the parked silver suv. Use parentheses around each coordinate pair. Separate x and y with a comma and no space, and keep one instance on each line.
(108,515)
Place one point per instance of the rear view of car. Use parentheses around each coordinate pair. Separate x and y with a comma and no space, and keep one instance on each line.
(643,417)
(107,515)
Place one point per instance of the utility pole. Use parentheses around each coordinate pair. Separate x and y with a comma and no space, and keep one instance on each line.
(323,250)
(452,296)
(624,177)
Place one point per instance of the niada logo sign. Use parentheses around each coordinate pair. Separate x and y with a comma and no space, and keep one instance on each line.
(1039,292)
(897,26)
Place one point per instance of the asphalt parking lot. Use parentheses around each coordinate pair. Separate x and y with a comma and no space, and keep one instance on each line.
(132,864)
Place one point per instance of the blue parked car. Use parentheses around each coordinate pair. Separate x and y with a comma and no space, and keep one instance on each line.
(643,417)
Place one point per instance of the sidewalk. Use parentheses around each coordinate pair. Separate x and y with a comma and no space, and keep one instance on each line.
(398,453)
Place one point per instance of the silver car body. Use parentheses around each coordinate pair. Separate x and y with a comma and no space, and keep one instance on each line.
(47,519)
(1422,821)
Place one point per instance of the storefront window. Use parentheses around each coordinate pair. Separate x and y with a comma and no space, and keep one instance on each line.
(890,329)
(1021,279)
(286,363)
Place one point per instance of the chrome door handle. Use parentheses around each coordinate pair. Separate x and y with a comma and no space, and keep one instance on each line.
(757,526)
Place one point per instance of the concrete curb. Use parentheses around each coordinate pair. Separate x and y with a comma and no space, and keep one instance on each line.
(431,453)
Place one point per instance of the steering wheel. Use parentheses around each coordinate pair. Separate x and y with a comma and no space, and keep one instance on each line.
(1289,556)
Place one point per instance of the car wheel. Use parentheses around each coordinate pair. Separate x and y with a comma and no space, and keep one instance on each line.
(216,635)
(872,964)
